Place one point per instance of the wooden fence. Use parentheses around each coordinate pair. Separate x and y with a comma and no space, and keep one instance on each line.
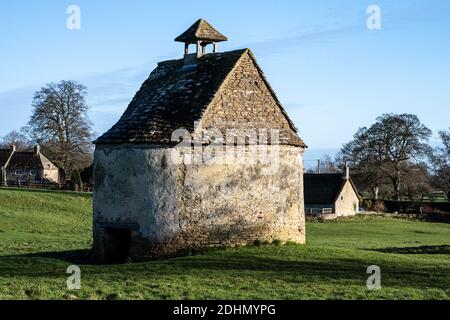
(319,210)
(48,186)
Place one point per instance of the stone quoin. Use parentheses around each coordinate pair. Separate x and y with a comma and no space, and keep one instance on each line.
(148,205)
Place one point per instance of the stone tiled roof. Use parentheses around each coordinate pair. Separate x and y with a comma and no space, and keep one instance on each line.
(201,31)
(324,188)
(25,160)
(175,96)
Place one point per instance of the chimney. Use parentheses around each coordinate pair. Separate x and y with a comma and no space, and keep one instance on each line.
(13,148)
(37,149)
(347,171)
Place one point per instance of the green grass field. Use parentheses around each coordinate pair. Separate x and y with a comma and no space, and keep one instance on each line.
(42,233)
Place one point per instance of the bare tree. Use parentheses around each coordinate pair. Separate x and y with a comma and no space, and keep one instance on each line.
(368,172)
(391,141)
(17,139)
(60,124)
(328,165)
(440,159)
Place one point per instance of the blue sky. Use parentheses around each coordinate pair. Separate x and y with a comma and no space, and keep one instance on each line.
(332,74)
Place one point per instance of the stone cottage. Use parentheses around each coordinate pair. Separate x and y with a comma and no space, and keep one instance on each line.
(332,194)
(22,168)
(204,156)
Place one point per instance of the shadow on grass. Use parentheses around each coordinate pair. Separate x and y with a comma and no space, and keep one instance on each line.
(227,266)
(78,257)
(416,250)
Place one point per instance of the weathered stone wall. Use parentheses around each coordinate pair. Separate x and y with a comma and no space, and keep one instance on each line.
(347,203)
(135,189)
(171,208)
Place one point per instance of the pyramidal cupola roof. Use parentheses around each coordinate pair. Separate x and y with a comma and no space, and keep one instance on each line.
(201,31)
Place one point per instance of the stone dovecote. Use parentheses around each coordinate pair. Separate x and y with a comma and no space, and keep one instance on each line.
(149,203)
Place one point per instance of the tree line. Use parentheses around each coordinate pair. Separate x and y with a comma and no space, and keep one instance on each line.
(60,125)
(392,159)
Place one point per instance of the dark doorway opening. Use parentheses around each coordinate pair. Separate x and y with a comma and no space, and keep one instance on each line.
(117,245)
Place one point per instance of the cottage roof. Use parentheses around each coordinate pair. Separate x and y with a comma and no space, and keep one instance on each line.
(176,95)
(324,188)
(25,160)
(201,31)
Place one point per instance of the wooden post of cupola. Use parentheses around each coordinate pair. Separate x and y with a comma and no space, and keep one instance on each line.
(200,49)
(204,44)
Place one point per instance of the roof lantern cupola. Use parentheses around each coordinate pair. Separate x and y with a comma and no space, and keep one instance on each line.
(202,34)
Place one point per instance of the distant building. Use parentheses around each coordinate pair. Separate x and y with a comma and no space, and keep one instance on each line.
(330,194)
(21,168)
